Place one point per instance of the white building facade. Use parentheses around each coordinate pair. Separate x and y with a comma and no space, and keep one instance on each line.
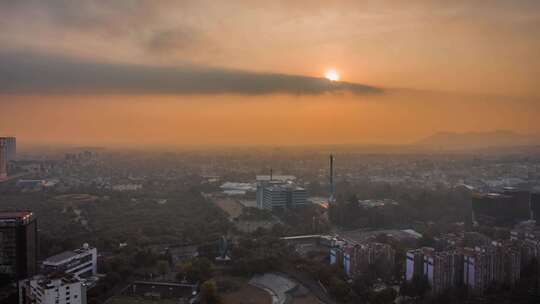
(82,262)
(65,289)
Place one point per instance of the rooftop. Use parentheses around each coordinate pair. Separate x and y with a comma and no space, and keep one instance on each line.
(57,280)
(60,257)
(66,255)
(15,214)
(280,187)
(283,178)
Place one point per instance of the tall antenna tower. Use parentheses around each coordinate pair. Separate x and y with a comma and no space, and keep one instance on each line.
(332,197)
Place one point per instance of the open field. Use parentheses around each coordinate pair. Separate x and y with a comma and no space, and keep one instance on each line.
(309,299)
(231,206)
(136,300)
(76,198)
(245,294)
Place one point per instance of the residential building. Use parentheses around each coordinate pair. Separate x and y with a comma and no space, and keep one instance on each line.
(356,258)
(442,269)
(530,249)
(483,266)
(414,264)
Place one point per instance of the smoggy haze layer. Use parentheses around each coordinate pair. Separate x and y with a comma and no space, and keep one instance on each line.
(196,72)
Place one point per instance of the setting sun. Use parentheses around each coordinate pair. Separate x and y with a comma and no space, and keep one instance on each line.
(331,75)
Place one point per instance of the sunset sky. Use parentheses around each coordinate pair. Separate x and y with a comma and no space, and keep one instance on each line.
(176,73)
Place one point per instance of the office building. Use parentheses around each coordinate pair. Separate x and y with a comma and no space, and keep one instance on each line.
(264,181)
(18,244)
(521,201)
(279,191)
(535,206)
(82,262)
(283,196)
(501,209)
(58,289)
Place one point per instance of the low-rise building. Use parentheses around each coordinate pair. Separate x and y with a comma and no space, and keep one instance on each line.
(55,289)
(82,262)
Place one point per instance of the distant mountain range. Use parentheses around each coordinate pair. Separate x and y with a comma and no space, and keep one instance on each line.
(477,140)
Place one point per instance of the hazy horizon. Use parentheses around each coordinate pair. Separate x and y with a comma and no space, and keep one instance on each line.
(200,73)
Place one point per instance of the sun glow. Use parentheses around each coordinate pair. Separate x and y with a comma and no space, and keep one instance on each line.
(332,75)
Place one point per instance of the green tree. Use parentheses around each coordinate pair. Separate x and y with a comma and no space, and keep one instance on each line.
(195,270)
(361,288)
(209,292)
(418,287)
(339,288)
(386,296)
(162,266)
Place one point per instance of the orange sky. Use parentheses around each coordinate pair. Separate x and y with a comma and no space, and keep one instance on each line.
(238,120)
(459,66)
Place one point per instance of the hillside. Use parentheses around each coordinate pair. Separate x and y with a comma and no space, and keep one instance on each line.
(477,140)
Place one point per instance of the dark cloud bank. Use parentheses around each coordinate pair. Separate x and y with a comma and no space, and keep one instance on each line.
(32,73)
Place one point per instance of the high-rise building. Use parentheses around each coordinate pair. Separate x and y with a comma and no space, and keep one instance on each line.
(18,244)
(414,264)
(498,263)
(521,202)
(477,270)
(355,259)
(58,289)
(370,253)
(3,160)
(442,269)
(10,147)
(332,197)
(535,206)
